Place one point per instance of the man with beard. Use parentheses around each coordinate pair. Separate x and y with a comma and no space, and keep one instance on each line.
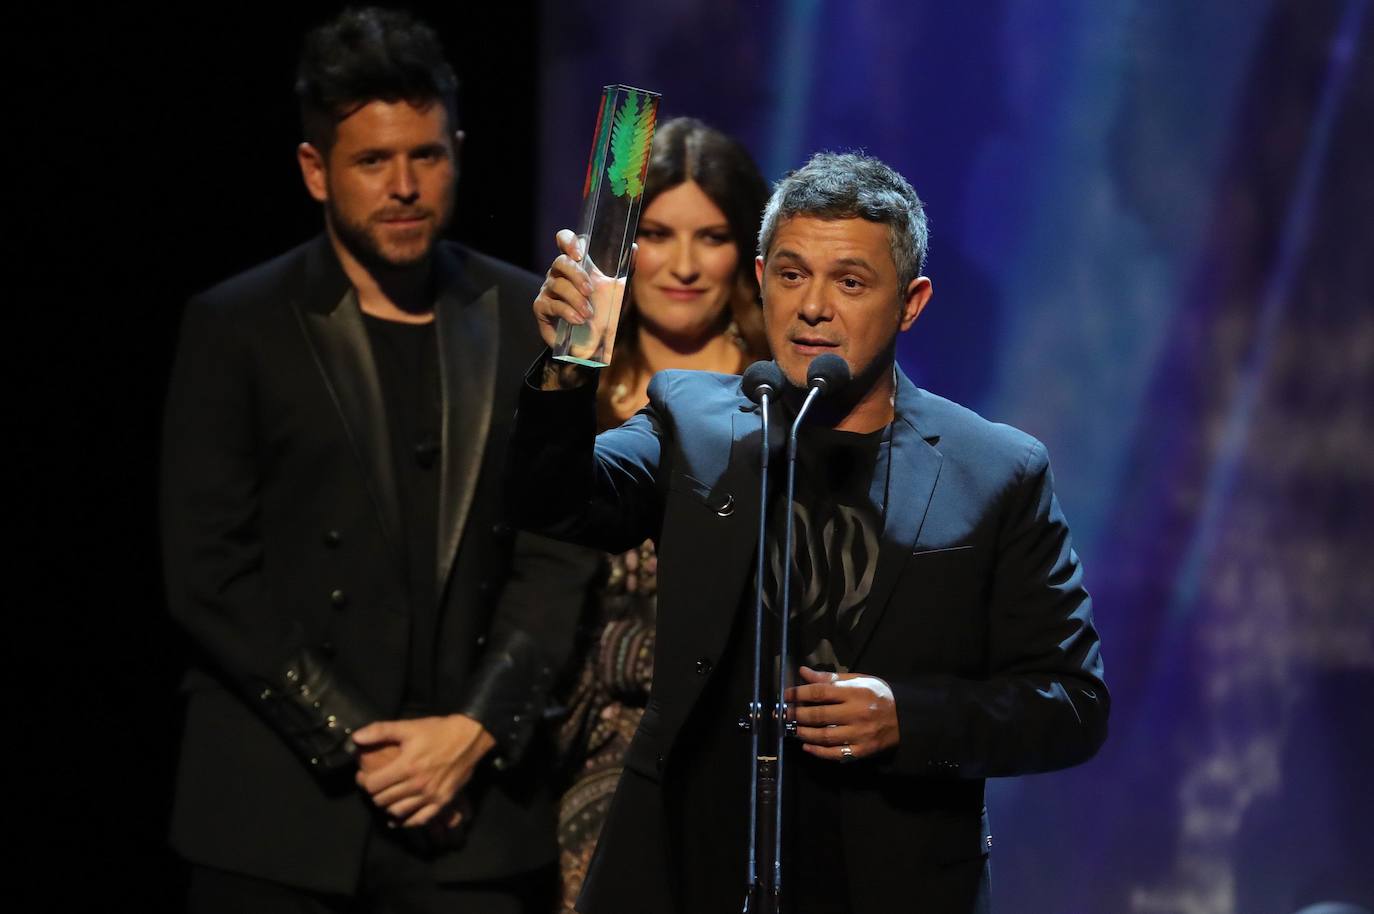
(372,644)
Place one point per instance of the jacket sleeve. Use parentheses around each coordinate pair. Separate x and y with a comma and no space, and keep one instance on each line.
(530,640)
(1044,704)
(211,520)
(565,481)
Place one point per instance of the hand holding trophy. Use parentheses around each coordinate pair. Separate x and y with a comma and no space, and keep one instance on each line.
(611,198)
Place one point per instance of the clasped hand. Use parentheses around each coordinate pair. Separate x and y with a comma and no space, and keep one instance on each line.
(413,769)
(834,710)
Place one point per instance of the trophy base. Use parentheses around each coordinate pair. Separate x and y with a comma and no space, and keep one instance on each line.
(590,363)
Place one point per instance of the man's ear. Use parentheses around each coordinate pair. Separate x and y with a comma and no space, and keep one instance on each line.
(758,271)
(917,294)
(313,168)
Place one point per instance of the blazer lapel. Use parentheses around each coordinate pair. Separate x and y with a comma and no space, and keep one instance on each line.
(914,470)
(327,308)
(468,352)
(743,470)
(733,494)
(748,427)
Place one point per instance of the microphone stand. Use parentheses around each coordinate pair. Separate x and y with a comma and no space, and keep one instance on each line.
(765,788)
(784,726)
(763,796)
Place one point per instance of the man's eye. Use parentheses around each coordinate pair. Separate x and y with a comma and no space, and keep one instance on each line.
(369,161)
(790,275)
(849,282)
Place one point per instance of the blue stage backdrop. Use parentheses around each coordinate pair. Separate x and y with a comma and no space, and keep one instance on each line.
(1151,248)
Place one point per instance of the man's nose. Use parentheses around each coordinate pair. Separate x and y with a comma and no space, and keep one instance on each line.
(815,307)
(404,187)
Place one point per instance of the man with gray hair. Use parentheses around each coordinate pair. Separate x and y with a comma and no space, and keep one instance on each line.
(937,604)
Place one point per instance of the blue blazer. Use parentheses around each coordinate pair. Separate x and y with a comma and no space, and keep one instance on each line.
(977,618)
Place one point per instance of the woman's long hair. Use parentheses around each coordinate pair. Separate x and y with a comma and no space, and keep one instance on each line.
(684,150)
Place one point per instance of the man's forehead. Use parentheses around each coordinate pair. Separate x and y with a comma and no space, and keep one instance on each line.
(832,239)
(378,117)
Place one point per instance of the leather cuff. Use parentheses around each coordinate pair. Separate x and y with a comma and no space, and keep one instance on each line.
(549,375)
(316,712)
(508,693)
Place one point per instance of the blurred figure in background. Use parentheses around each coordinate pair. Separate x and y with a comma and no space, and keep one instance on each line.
(693,303)
(372,643)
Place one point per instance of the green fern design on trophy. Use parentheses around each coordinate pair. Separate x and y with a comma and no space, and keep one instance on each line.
(631,134)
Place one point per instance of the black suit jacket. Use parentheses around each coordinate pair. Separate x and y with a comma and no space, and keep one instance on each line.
(280,525)
(977,618)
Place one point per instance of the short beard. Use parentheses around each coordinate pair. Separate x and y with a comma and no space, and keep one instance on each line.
(830,410)
(362,244)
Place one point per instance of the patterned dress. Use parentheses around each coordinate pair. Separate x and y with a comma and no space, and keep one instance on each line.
(605,708)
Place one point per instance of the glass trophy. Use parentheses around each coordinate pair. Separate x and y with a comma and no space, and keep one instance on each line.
(611,197)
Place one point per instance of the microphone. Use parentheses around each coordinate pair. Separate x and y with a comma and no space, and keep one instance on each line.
(762,379)
(828,373)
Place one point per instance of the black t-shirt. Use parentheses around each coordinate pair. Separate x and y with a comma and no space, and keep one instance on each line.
(837,524)
(407,359)
(837,513)
(838,520)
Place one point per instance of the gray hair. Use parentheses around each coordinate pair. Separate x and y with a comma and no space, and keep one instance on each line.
(835,185)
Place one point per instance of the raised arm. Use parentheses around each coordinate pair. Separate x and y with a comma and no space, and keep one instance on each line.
(564,480)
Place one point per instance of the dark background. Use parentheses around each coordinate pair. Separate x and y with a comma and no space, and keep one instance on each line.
(1151,249)
(157,149)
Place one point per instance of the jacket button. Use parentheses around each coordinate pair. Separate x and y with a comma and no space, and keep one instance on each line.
(332,538)
(339,599)
(658,763)
(500,528)
(703,667)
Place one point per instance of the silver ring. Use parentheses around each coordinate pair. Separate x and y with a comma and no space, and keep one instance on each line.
(846,753)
